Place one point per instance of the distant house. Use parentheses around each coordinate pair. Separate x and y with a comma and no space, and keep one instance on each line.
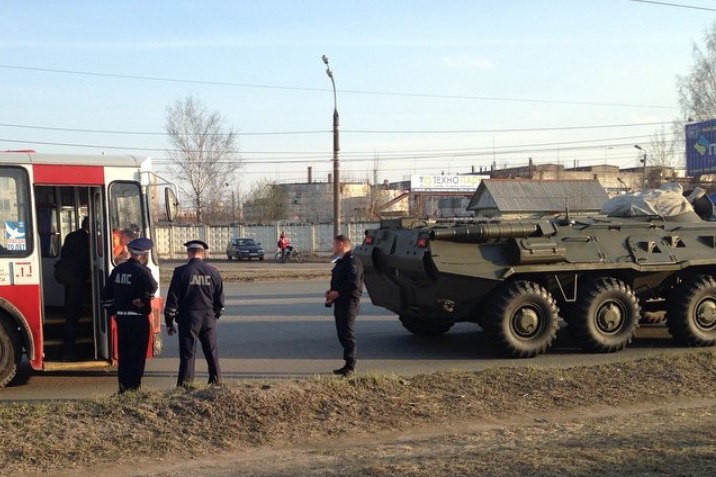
(524,197)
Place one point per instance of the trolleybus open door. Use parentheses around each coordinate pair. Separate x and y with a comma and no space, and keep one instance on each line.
(100,270)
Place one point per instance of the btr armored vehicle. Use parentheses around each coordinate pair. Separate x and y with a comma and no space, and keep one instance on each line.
(518,278)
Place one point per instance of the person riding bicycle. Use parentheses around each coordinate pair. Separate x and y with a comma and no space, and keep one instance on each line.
(285,246)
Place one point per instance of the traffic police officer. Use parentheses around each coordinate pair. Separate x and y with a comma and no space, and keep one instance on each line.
(127,295)
(195,300)
(344,295)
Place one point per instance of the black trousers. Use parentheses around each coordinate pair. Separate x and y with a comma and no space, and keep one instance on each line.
(345,315)
(201,327)
(133,337)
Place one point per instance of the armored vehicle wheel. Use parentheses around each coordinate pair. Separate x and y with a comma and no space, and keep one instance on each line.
(423,327)
(691,317)
(9,352)
(605,317)
(523,317)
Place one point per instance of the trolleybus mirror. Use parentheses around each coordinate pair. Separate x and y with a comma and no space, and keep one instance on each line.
(171,203)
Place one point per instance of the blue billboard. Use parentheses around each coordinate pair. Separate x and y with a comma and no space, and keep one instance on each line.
(701,148)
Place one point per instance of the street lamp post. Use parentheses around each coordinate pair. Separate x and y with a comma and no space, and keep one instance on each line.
(643,168)
(233,203)
(336,148)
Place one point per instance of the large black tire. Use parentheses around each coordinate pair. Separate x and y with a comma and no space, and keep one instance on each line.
(605,317)
(691,316)
(424,327)
(523,318)
(10,350)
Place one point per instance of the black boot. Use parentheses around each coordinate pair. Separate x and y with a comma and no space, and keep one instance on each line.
(346,370)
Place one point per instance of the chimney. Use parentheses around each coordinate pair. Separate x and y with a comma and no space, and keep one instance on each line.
(310,175)
(330,178)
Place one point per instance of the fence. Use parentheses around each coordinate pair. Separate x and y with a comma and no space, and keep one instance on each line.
(314,239)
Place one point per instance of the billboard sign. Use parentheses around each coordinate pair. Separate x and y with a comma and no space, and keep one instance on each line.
(445,182)
(701,148)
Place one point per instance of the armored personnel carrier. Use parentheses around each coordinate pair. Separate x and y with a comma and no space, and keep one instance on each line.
(518,278)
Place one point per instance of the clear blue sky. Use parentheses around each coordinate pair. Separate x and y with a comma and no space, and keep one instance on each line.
(423,86)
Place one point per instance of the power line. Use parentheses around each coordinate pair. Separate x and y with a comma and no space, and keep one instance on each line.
(388,154)
(345,131)
(342,91)
(485,151)
(678,5)
(147,133)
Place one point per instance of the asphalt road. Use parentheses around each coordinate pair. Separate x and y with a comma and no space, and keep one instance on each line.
(280,329)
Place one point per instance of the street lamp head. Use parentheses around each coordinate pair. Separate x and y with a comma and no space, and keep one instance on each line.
(328,67)
(638,147)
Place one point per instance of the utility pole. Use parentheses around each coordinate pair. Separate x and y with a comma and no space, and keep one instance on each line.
(643,167)
(336,148)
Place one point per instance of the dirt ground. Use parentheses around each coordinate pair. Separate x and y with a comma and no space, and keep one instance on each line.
(650,417)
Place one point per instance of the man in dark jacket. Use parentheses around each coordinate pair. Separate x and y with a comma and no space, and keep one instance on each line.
(195,300)
(344,296)
(75,254)
(127,295)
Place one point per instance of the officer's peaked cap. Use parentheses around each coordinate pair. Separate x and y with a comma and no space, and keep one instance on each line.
(140,245)
(196,244)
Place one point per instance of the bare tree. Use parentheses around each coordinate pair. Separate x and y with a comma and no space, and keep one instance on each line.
(265,203)
(662,148)
(376,196)
(204,153)
(697,90)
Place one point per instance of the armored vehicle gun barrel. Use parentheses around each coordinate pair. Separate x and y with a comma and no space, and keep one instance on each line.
(479,233)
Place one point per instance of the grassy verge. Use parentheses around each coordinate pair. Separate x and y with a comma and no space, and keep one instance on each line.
(60,435)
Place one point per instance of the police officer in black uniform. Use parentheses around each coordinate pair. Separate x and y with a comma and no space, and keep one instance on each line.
(344,296)
(127,295)
(195,300)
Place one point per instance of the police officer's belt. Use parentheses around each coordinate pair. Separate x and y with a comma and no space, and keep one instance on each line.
(129,313)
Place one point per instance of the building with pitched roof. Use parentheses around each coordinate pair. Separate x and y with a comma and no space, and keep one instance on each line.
(511,198)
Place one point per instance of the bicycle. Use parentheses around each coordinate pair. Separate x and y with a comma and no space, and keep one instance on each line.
(292,254)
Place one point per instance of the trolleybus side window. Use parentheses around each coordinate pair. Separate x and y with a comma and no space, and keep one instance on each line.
(47,221)
(126,217)
(16,238)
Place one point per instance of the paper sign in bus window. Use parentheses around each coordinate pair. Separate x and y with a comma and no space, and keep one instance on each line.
(15,235)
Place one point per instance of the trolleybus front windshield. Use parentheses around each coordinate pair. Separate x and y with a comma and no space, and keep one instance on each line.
(126,217)
(16,238)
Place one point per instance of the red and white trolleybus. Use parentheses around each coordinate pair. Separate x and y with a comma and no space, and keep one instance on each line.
(43,197)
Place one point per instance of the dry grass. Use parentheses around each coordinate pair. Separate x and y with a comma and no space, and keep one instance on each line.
(60,435)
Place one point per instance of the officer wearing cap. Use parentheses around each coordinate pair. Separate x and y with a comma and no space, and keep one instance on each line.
(195,301)
(344,296)
(127,295)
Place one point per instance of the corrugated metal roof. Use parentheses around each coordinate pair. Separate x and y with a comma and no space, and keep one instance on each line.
(535,196)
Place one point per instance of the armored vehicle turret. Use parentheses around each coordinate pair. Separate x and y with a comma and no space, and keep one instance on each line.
(518,278)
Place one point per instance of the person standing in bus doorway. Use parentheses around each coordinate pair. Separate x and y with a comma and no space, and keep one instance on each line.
(128,295)
(75,255)
(344,296)
(195,300)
